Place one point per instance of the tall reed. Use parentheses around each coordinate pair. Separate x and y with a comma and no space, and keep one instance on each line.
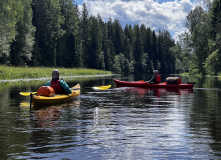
(8,72)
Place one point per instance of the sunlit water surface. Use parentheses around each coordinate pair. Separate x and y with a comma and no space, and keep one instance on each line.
(119,123)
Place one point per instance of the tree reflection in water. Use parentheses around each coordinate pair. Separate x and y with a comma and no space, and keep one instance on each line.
(50,116)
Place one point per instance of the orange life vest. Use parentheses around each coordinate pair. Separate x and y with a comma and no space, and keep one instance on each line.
(57,87)
(158,78)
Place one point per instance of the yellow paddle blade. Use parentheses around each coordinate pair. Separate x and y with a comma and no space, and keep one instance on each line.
(27,93)
(24,104)
(102,87)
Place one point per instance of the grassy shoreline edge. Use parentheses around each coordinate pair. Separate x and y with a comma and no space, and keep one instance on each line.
(9,73)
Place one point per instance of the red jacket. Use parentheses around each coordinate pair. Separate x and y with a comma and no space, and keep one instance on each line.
(57,87)
(158,78)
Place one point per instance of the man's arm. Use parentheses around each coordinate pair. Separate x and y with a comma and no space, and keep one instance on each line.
(153,79)
(65,86)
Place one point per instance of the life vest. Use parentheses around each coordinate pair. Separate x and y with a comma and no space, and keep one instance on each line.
(57,87)
(158,78)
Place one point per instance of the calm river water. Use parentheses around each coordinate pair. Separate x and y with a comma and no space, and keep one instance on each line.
(118,123)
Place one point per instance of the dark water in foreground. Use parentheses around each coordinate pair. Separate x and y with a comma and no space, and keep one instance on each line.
(119,123)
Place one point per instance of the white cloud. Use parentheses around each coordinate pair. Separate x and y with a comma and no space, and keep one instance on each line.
(186,5)
(170,15)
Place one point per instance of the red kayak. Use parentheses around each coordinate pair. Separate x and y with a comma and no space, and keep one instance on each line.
(143,84)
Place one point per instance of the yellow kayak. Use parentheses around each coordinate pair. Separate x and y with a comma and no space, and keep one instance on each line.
(58,98)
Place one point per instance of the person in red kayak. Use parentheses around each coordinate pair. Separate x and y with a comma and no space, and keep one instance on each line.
(156,78)
(59,85)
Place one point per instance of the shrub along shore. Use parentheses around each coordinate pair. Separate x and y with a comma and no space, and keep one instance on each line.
(9,73)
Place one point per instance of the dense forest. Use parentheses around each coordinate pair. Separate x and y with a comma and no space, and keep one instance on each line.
(56,33)
(199,49)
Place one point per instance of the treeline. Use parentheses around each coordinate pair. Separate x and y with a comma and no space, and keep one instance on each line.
(200,47)
(55,33)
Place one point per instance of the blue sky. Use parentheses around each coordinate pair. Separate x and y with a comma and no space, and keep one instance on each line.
(157,14)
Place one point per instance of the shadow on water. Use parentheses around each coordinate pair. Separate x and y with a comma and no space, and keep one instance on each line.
(118,123)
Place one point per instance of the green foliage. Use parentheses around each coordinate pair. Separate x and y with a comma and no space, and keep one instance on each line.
(22,45)
(39,72)
(138,51)
(48,21)
(194,18)
(95,58)
(10,12)
(121,64)
(179,66)
(106,49)
(215,14)
(202,45)
(55,33)
(68,44)
(84,34)
(212,63)
(117,37)
(154,51)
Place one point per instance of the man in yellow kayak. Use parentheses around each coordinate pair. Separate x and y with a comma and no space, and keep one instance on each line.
(59,85)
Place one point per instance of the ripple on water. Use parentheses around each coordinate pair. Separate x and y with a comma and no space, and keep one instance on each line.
(126,123)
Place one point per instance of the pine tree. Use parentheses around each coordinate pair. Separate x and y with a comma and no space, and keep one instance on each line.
(127,44)
(48,21)
(96,57)
(154,51)
(110,33)
(106,43)
(79,53)
(148,50)
(146,41)
(84,34)
(67,44)
(117,37)
(138,50)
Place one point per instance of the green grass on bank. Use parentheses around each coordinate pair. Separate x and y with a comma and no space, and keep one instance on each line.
(184,74)
(7,72)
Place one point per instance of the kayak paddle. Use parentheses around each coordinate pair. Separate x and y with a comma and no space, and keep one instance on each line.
(102,87)
(96,88)
(27,93)
(24,104)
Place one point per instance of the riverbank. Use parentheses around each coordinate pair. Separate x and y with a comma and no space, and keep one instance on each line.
(29,73)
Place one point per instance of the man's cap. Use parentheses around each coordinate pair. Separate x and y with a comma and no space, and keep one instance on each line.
(55,73)
(155,71)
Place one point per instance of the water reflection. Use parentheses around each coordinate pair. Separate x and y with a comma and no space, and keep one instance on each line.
(146,125)
(150,97)
(158,92)
(119,123)
(51,116)
(205,122)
